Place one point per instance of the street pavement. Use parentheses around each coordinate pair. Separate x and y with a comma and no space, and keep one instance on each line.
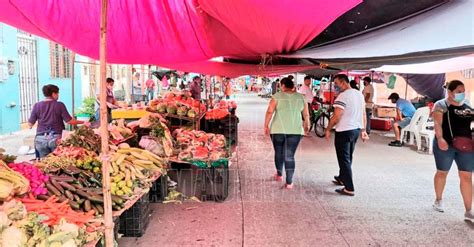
(392,205)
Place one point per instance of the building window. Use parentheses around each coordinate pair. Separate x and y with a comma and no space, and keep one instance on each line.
(60,58)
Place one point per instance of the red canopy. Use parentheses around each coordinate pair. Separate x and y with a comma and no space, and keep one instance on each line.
(172,32)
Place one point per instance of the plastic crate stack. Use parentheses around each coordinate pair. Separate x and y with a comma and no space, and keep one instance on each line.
(159,190)
(134,221)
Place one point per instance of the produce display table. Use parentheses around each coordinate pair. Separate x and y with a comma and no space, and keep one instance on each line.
(128,114)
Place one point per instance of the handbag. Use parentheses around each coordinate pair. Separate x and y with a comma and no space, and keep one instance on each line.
(461,143)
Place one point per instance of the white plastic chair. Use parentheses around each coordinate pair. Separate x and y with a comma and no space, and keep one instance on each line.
(413,129)
(427,136)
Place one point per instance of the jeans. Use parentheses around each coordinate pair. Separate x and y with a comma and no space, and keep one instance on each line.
(345,143)
(150,94)
(368,112)
(45,144)
(444,159)
(285,148)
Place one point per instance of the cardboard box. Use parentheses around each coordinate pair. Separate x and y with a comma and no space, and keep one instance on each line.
(385,112)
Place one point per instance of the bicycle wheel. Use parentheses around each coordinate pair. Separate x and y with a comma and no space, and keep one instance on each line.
(321,124)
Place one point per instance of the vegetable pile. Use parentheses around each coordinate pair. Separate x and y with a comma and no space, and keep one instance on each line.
(131,167)
(11,183)
(19,227)
(55,211)
(83,137)
(6,157)
(178,104)
(36,177)
(82,193)
(199,145)
(221,110)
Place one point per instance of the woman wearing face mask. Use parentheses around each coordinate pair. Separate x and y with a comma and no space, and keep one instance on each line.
(286,128)
(447,126)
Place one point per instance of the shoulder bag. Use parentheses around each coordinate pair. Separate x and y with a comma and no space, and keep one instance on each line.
(461,143)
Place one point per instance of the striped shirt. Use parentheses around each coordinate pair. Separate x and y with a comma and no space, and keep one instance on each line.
(352,103)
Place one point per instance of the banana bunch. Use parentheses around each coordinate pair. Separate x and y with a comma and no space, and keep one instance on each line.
(11,182)
(129,167)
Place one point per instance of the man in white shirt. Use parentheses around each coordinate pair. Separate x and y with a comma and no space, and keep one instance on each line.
(368,93)
(307,92)
(349,119)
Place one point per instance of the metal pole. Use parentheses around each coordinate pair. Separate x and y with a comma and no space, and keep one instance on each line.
(108,221)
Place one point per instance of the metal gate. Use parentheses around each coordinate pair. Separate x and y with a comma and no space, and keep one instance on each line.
(28,68)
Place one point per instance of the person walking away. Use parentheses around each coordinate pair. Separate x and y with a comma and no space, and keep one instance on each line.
(368,93)
(349,120)
(275,84)
(150,89)
(405,112)
(448,126)
(111,102)
(227,88)
(307,92)
(195,88)
(50,115)
(286,128)
(354,85)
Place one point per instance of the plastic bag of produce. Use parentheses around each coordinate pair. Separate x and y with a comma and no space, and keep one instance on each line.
(149,143)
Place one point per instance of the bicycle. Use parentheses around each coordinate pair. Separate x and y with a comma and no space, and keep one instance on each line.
(320,117)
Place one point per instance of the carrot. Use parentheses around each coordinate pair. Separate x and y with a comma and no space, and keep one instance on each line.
(30,200)
(53,198)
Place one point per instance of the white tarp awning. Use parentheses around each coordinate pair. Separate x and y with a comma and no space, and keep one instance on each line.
(444,32)
(442,66)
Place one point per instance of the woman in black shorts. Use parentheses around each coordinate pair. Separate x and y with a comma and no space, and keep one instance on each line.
(448,124)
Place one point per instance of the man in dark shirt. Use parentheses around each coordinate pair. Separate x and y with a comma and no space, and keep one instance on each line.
(50,115)
(195,88)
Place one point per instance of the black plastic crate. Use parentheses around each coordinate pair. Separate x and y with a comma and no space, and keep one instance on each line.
(219,183)
(134,221)
(211,184)
(159,189)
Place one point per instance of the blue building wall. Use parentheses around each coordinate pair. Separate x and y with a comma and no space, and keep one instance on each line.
(10,89)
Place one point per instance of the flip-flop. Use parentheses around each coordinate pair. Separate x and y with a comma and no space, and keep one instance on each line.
(337,181)
(343,191)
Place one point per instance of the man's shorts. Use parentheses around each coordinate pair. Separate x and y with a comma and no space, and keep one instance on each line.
(404,122)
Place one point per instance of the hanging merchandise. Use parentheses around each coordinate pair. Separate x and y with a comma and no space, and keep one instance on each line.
(391,82)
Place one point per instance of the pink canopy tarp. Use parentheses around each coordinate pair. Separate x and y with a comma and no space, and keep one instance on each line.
(172,32)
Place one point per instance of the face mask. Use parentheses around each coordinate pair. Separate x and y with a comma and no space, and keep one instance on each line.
(459,97)
(337,88)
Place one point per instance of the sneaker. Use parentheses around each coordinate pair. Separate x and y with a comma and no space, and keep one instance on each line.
(438,206)
(276,177)
(469,216)
(289,186)
(396,144)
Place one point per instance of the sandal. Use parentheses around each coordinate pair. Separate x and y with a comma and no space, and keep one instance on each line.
(343,191)
(337,181)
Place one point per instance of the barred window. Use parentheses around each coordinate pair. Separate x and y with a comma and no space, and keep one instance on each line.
(60,58)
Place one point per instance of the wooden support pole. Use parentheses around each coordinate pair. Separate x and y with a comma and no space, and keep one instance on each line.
(108,221)
(73,86)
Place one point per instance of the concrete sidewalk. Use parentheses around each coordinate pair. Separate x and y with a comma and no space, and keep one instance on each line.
(13,141)
(392,206)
